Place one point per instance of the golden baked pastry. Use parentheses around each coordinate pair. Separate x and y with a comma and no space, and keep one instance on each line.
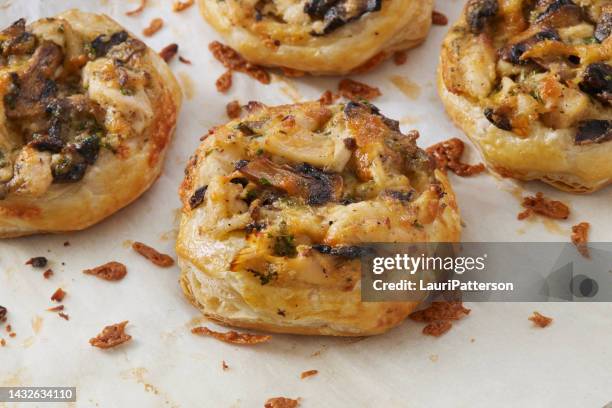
(530,82)
(276,204)
(319,36)
(86,114)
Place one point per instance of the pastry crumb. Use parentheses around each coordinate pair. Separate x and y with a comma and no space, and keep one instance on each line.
(48,273)
(580,237)
(63,316)
(184,60)
(138,10)
(308,373)
(447,155)
(438,18)
(540,320)
(543,206)
(110,271)
(233,109)
(224,82)
(356,91)
(179,6)
(233,61)
(57,308)
(282,402)
(328,97)
(232,336)
(168,52)
(154,26)
(224,365)
(58,295)
(37,262)
(439,315)
(111,336)
(152,255)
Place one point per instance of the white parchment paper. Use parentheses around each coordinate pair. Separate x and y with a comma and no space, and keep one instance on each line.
(494,357)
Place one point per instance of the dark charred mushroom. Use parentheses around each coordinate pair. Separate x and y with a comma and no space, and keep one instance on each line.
(16,40)
(498,119)
(558,13)
(103,43)
(593,131)
(401,196)
(68,168)
(336,13)
(198,197)
(354,108)
(597,81)
(313,185)
(28,92)
(479,12)
(604,25)
(348,252)
(513,52)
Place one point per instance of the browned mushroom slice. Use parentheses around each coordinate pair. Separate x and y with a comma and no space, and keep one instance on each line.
(15,40)
(336,13)
(315,186)
(594,131)
(479,12)
(28,91)
(558,13)
(103,43)
(604,25)
(514,51)
(597,81)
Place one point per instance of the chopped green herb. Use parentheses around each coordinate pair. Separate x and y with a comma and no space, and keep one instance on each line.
(265,278)
(264,182)
(284,246)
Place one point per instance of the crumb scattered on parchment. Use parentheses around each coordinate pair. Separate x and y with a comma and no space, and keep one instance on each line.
(540,320)
(580,237)
(308,373)
(328,97)
(154,26)
(224,365)
(433,357)
(543,206)
(3,313)
(232,336)
(63,316)
(67,243)
(111,336)
(233,61)
(2,342)
(356,91)
(57,308)
(439,315)
(168,52)
(447,155)
(179,6)
(110,271)
(48,273)
(233,109)
(400,57)
(152,255)
(438,18)
(58,295)
(37,262)
(282,402)
(184,60)
(224,82)
(138,10)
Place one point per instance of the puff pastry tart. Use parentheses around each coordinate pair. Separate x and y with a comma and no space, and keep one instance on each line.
(319,36)
(530,82)
(277,204)
(86,114)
